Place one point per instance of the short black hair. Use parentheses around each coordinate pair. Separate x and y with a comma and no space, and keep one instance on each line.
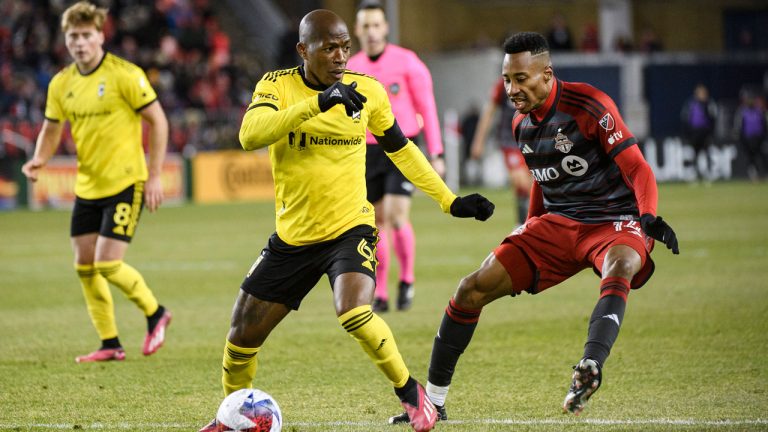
(526,41)
(370,5)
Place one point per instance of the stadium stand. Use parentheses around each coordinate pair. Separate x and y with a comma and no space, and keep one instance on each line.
(201,83)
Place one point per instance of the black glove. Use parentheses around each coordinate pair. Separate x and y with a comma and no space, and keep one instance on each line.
(475,205)
(340,93)
(660,230)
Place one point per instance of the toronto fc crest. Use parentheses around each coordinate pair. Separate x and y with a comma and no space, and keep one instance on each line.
(562,142)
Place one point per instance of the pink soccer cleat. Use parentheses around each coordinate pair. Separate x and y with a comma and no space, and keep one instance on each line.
(101,355)
(424,416)
(155,339)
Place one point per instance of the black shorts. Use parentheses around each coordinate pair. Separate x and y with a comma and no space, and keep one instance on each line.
(115,217)
(285,274)
(382,176)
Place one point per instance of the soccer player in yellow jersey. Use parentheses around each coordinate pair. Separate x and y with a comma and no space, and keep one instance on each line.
(313,118)
(105,98)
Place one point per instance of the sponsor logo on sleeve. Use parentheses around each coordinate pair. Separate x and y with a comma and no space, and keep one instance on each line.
(615,137)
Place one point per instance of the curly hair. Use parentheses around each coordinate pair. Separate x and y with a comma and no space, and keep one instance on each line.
(526,41)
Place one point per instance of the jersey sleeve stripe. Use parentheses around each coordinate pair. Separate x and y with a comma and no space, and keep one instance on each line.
(582,107)
(50,119)
(621,147)
(261,104)
(599,106)
(586,104)
(139,109)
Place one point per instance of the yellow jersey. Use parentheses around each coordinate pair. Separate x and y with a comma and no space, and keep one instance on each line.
(102,108)
(318,159)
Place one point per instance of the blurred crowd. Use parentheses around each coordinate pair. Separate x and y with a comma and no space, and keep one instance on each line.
(202,86)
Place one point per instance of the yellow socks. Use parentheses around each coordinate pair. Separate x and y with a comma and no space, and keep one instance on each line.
(130,281)
(374,335)
(98,299)
(238,367)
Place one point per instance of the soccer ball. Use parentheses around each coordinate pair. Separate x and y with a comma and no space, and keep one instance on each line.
(250,410)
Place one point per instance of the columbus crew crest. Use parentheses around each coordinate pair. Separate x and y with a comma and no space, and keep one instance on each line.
(562,142)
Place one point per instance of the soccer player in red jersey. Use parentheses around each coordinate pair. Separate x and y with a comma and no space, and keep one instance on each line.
(593,204)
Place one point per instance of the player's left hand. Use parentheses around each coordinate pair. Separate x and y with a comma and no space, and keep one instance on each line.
(655,227)
(474,205)
(153,193)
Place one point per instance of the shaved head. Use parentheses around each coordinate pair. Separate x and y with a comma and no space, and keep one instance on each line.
(319,24)
(325,46)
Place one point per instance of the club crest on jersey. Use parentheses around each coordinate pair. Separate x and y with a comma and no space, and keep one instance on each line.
(607,122)
(562,142)
(356,116)
(394,88)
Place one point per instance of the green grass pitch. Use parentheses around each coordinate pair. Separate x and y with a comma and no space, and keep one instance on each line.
(692,353)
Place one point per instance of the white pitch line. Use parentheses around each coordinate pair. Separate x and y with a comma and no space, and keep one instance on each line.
(542,422)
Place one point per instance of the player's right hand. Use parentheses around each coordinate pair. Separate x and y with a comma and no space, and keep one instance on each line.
(31,168)
(340,93)
(474,205)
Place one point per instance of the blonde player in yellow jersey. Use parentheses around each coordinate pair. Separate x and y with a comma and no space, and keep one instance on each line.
(105,98)
(313,118)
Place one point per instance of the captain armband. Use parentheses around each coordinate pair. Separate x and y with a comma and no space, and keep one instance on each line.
(393,139)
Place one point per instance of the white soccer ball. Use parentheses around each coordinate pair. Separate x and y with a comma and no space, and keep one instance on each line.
(250,410)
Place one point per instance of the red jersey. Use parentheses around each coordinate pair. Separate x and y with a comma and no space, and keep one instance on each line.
(584,161)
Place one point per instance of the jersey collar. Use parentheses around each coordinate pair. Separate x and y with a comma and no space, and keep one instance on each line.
(94,69)
(545,112)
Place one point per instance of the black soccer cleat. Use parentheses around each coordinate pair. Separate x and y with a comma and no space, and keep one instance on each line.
(405,296)
(380,305)
(587,377)
(404,419)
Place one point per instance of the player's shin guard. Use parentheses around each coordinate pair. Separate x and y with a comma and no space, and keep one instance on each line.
(452,339)
(606,319)
(238,367)
(98,299)
(374,335)
(404,244)
(130,281)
